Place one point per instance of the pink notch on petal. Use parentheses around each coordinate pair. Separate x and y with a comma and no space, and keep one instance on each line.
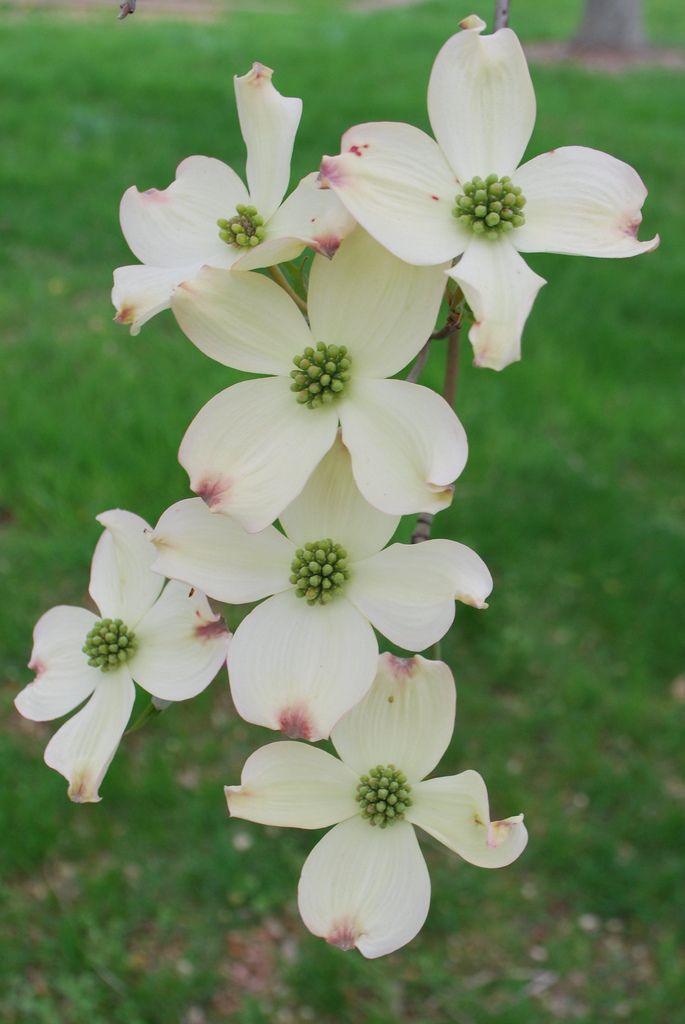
(344,935)
(295,723)
(213,491)
(210,630)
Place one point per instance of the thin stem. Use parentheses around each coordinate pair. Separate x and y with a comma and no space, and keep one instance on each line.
(501,14)
(421,360)
(449,391)
(143,718)
(280,279)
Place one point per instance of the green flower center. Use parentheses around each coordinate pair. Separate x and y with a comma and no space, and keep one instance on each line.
(383,795)
(319,571)
(321,374)
(109,644)
(246,229)
(490,207)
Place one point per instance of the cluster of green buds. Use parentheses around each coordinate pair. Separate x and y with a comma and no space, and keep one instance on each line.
(321,374)
(319,570)
(490,207)
(246,229)
(383,795)
(109,644)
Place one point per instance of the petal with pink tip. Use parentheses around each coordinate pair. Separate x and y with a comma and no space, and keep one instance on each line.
(298,668)
(178,226)
(295,785)
(456,812)
(500,288)
(396,182)
(268,122)
(365,887)
(582,202)
(63,676)
(140,292)
(481,102)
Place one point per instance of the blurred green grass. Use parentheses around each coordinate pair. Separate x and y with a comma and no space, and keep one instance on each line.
(150,906)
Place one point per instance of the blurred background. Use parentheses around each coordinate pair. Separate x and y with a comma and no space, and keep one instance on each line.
(151,906)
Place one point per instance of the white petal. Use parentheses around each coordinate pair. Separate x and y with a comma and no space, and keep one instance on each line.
(408,591)
(295,785)
(210,551)
(140,292)
(581,202)
(381,308)
(178,226)
(395,180)
(299,668)
(181,644)
(500,288)
(365,887)
(63,675)
(241,320)
(268,122)
(331,505)
(251,449)
(406,718)
(314,215)
(270,252)
(82,749)
(455,811)
(481,102)
(406,443)
(122,583)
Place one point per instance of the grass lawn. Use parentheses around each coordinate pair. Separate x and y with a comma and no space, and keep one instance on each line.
(152,908)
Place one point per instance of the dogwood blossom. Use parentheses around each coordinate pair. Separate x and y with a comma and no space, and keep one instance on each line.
(169,640)
(465,195)
(208,217)
(302,658)
(366,884)
(251,449)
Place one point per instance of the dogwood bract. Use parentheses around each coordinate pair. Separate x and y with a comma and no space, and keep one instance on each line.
(251,449)
(307,654)
(465,194)
(207,216)
(366,884)
(169,641)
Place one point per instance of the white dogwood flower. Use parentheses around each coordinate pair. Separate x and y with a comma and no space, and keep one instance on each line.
(169,641)
(465,195)
(366,884)
(207,216)
(251,449)
(303,657)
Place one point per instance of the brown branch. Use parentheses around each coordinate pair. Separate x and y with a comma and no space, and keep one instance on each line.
(501,14)
(127,7)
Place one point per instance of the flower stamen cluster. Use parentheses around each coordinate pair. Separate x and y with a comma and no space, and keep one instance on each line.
(245,230)
(109,644)
(490,207)
(321,374)
(383,795)
(319,570)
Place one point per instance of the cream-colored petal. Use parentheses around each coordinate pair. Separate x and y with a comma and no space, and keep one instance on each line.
(296,785)
(63,676)
(299,668)
(251,449)
(331,505)
(500,288)
(178,226)
(396,182)
(122,582)
(268,122)
(581,202)
(456,812)
(211,551)
(380,307)
(140,292)
(406,718)
(82,749)
(181,644)
(408,591)
(406,443)
(481,102)
(241,320)
(365,887)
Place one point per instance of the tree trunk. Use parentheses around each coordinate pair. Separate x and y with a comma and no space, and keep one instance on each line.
(611,25)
